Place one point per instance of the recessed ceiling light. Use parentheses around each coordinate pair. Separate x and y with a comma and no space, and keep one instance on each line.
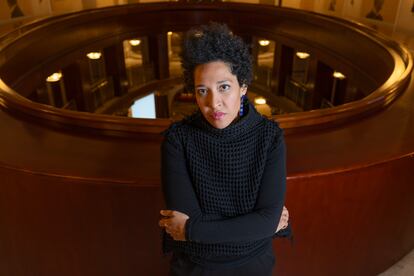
(260,100)
(94,55)
(302,55)
(264,42)
(338,75)
(134,42)
(54,77)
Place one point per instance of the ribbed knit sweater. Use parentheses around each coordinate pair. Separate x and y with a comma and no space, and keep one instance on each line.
(231,182)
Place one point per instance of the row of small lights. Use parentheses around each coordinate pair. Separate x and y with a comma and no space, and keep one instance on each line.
(304,55)
(57,76)
(135,42)
(92,55)
(97,55)
(336,74)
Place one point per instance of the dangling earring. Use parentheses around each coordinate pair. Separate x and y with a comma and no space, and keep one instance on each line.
(243,97)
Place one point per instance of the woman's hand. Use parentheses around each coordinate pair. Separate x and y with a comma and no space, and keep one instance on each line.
(284,219)
(174,223)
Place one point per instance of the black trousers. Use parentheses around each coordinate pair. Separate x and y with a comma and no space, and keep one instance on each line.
(258,266)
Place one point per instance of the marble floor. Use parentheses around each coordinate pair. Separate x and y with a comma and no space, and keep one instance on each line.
(405,267)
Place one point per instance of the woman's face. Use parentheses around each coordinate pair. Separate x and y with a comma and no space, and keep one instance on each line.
(218,93)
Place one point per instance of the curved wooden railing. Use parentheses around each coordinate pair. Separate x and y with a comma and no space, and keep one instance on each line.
(381,65)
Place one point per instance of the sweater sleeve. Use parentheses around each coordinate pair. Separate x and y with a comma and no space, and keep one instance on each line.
(260,223)
(177,188)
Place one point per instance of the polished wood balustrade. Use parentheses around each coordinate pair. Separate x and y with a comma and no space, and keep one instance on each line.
(385,70)
(80,192)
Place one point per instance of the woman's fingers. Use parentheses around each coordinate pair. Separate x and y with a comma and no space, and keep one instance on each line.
(174,223)
(285,213)
(165,222)
(172,230)
(162,223)
(167,213)
(284,219)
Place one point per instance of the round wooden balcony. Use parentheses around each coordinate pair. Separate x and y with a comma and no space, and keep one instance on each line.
(80,192)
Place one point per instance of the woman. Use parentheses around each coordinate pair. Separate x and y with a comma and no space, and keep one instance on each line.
(223,168)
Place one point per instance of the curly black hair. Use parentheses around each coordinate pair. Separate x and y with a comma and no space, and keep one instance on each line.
(215,42)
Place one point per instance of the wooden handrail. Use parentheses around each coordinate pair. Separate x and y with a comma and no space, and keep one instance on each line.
(289,26)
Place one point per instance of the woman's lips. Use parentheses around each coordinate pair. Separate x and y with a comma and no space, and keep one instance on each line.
(217,115)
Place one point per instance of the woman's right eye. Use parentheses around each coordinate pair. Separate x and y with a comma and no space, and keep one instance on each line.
(201,91)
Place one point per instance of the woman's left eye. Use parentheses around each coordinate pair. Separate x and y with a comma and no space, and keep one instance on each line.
(224,87)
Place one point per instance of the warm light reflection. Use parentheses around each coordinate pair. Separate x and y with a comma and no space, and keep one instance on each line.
(134,42)
(264,42)
(260,100)
(302,55)
(94,55)
(338,75)
(169,33)
(54,77)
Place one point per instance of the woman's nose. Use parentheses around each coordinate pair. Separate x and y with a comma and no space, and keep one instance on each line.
(214,99)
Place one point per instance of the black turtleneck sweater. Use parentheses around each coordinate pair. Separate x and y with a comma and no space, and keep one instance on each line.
(231,182)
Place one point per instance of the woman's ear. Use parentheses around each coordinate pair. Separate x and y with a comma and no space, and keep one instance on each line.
(244,89)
